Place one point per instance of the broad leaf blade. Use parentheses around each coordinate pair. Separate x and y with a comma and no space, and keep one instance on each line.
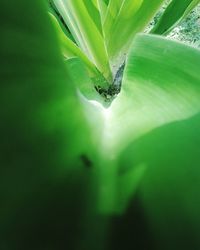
(41,132)
(165,208)
(170,187)
(161,85)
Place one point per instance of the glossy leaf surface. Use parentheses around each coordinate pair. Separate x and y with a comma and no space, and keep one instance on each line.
(161,85)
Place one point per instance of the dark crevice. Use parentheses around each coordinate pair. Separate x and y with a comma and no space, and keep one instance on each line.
(114,89)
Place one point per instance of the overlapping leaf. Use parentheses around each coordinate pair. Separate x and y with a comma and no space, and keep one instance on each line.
(86,32)
(124,22)
(45,138)
(161,85)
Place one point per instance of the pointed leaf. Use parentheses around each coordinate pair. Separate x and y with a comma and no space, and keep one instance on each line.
(120,32)
(173,14)
(86,33)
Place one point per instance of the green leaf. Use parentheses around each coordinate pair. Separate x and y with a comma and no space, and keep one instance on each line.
(169,190)
(173,14)
(161,85)
(165,106)
(71,50)
(85,84)
(102,6)
(53,10)
(93,10)
(43,132)
(46,148)
(131,18)
(106,1)
(86,33)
